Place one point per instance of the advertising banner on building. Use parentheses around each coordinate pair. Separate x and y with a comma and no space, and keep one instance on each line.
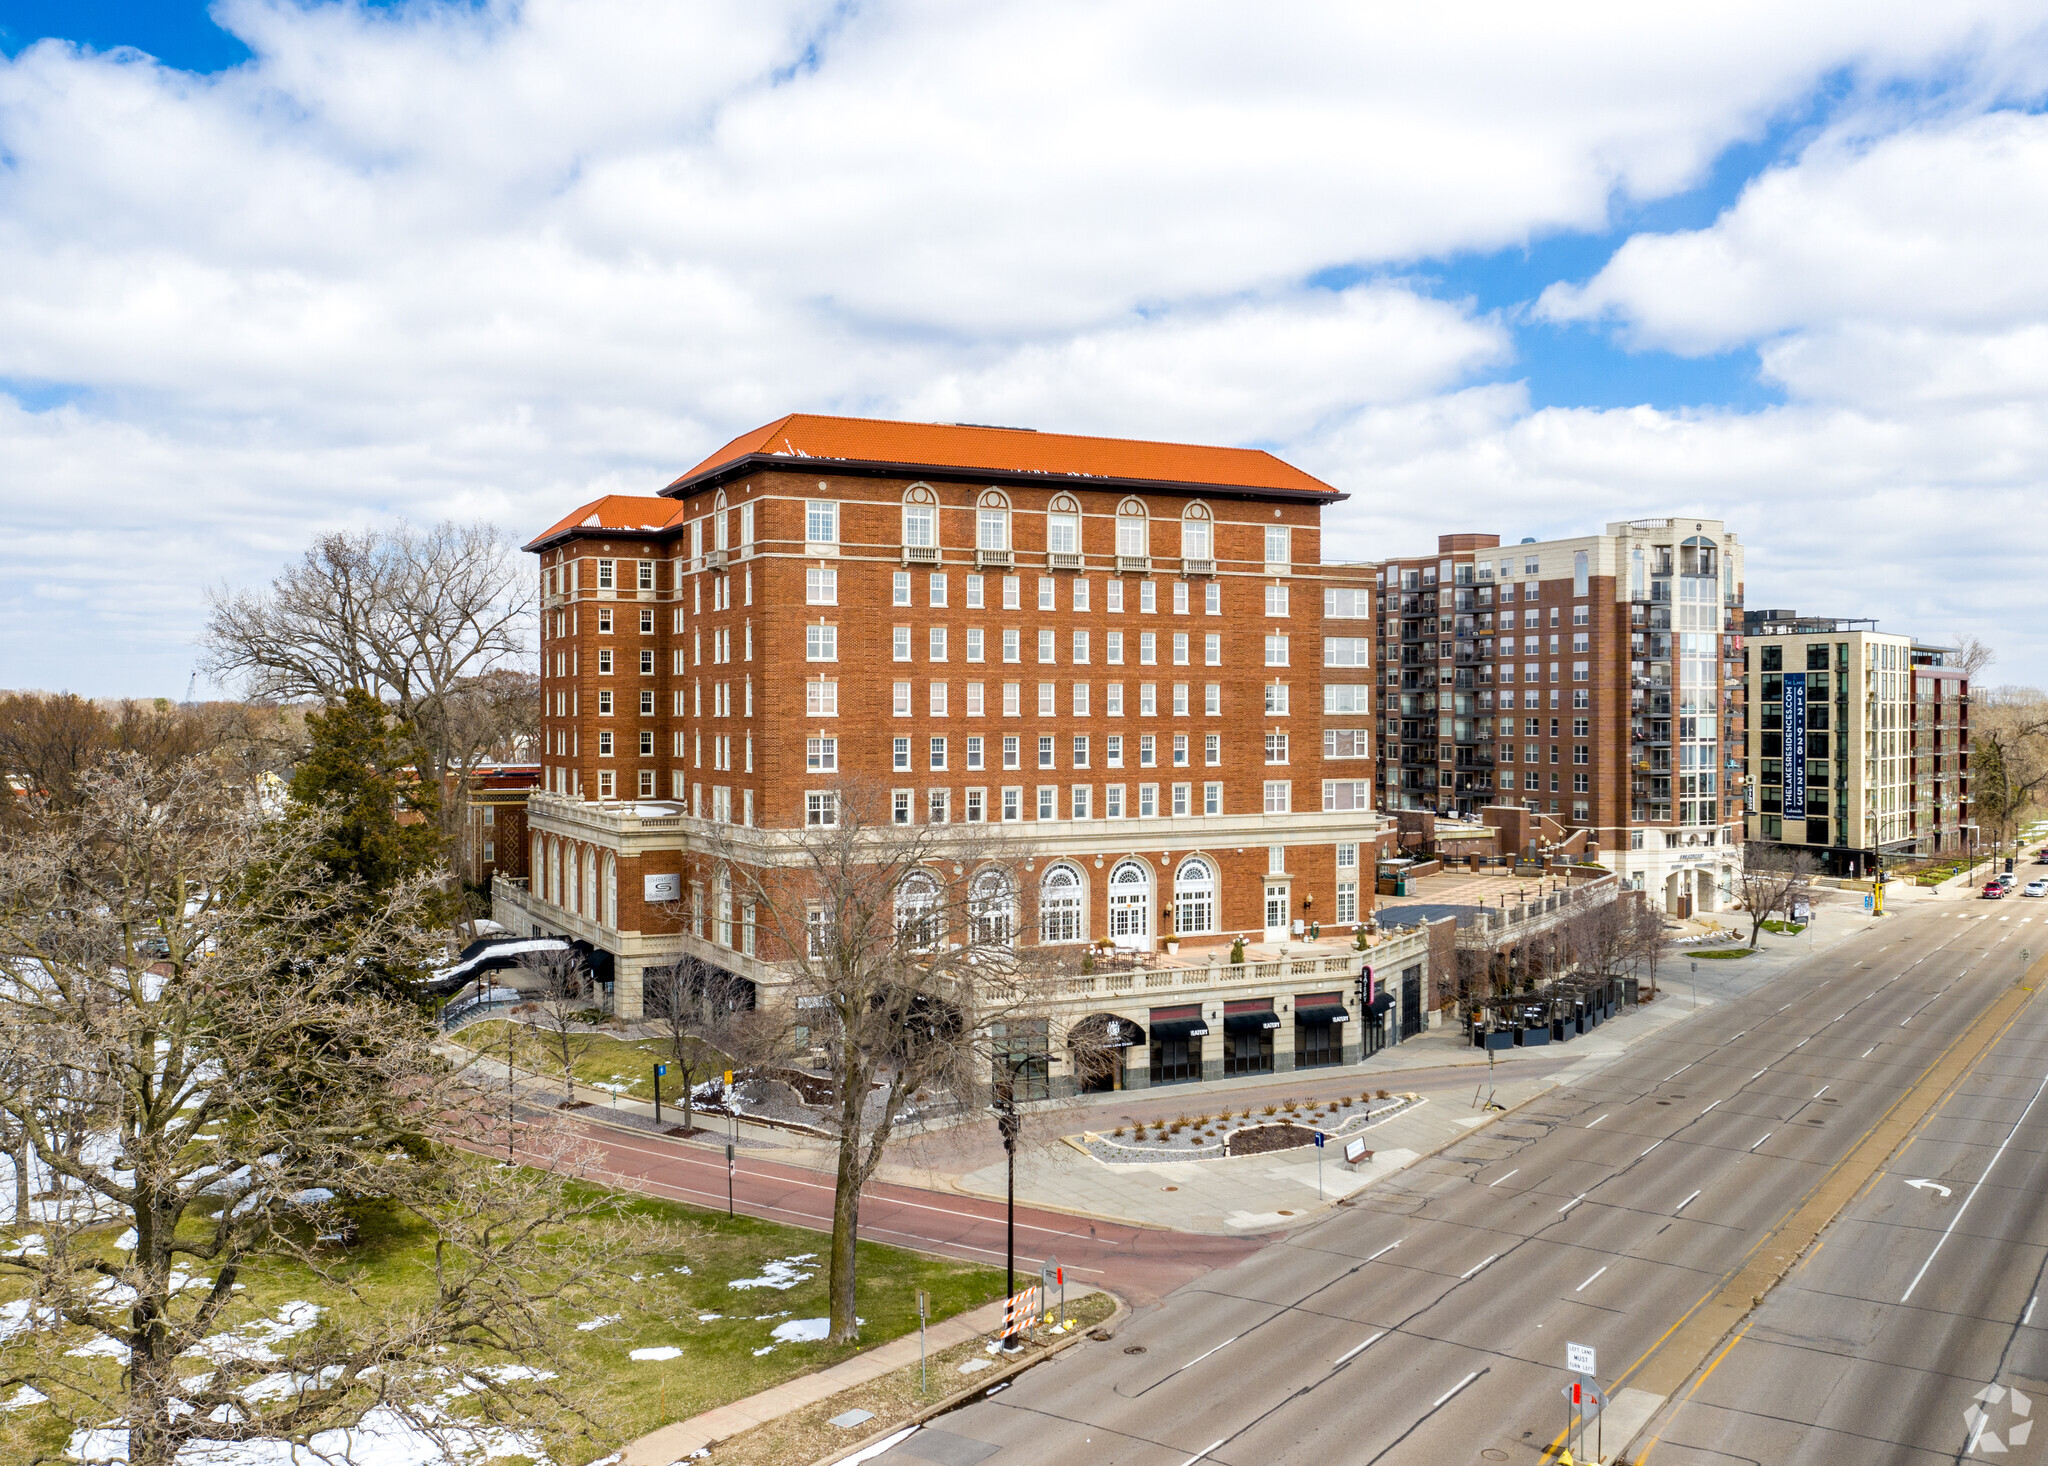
(1795,747)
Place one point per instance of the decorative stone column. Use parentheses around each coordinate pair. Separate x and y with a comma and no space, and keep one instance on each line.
(626,988)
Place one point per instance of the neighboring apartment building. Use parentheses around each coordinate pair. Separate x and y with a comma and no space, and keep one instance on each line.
(1596,680)
(1127,652)
(1860,749)
(495,832)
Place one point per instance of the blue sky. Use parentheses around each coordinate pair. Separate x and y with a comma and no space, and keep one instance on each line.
(344,262)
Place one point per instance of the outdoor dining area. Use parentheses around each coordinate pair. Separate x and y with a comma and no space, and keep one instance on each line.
(1557,1012)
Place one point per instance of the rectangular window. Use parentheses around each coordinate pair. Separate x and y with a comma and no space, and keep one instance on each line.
(1180,699)
(938,753)
(1581,783)
(1276,651)
(974,643)
(1114,642)
(647,664)
(1212,749)
(977,804)
(1147,751)
(1045,646)
(1148,649)
(1180,649)
(902,753)
(1212,798)
(821,754)
(821,643)
(1347,743)
(1113,802)
(821,526)
(1048,801)
(1580,671)
(1344,794)
(1148,699)
(1181,805)
(1080,699)
(1347,901)
(1045,602)
(604,744)
(974,593)
(1148,597)
(1180,750)
(901,589)
(1278,545)
(1045,751)
(1581,754)
(1010,752)
(1276,748)
(1347,651)
(1013,646)
(973,753)
(1346,604)
(1046,693)
(1148,801)
(1080,751)
(604,662)
(605,578)
(1079,795)
(974,690)
(1276,699)
(899,644)
(1113,702)
(821,586)
(647,744)
(604,703)
(1276,600)
(1013,699)
(1212,599)
(1012,593)
(1279,796)
(902,699)
(1080,653)
(1113,751)
(606,783)
(935,643)
(938,699)
(935,587)
(821,808)
(1081,595)
(899,806)
(647,704)
(1180,597)
(1013,802)
(1212,649)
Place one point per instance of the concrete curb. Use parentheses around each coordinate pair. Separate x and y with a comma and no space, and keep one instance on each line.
(968,1395)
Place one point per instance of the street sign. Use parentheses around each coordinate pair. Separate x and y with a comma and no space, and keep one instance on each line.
(661,1068)
(1320,1138)
(1579,1359)
(1585,1397)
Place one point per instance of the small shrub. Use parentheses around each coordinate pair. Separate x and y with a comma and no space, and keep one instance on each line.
(1271,1110)
(1237,949)
(1379,1094)
(1118,1132)
(1181,1122)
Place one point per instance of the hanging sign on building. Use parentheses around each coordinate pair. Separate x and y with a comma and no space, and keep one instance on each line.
(1795,747)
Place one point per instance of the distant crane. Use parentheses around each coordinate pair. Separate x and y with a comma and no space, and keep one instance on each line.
(191,683)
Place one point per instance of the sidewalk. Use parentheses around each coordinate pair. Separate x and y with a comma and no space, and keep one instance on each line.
(679,1439)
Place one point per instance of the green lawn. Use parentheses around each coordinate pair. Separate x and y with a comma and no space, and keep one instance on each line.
(1725,953)
(680,1299)
(625,1066)
(1785,928)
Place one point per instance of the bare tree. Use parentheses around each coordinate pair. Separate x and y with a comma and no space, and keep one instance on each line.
(416,618)
(2008,757)
(193,1061)
(902,943)
(1618,938)
(1971,656)
(702,1012)
(1772,876)
(559,1004)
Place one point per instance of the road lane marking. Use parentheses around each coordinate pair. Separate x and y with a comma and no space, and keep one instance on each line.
(1822,1090)
(1357,1348)
(1739,1035)
(1676,1072)
(1868,1052)
(1582,1287)
(1760,1074)
(1653,1145)
(1200,1357)
(1440,1399)
(1491,1184)
(1591,1123)
(1461,1278)
(1204,1451)
(1905,1020)
(1838,1018)
(1384,1251)
(1763,1137)
(1943,1239)
(2028,1317)
(1572,1203)
(1803,1042)
(1709,1107)
(1685,1203)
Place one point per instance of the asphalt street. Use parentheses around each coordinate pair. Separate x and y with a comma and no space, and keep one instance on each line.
(1428,1322)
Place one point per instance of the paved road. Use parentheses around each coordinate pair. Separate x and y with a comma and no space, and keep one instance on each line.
(1140,1263)
(1428,1322)
(1919,1299)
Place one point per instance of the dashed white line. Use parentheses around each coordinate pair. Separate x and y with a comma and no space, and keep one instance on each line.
(1803,1042)
(1468,1273)
(1439,1399)
(1385,1250)
(1676,1072)
(1212,1446)
(1685,1203)
(1868,1052)
(1591,1123)
(1572,1203)
(1822,1090)
(1653,1145)
(1497,1180)
(1582,1287)
(1762,1138)
(2028,1317)
(1709,1107)
(1355,1349)
(1760,1074)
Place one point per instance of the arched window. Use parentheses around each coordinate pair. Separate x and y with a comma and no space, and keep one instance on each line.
(1061,900)
(608,893)
(1197,542)
(920,517)
(991,910)
(590,882)
(992,521)
(720,522)
(540,868)
(1132,529)
(556,892)
(1063,525)
(1130,903)
(1194,898)
(721,907)
(917,911)
(1696,557)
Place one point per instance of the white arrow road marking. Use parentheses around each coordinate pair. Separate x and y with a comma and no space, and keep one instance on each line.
(1975,1189)
(1931,1186)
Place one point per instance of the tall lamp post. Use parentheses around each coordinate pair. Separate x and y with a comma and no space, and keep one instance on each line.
(1009,1125)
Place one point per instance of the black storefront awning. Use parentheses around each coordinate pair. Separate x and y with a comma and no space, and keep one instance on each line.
(1178,1028)
(1379,1005)
(1334,1014)
(1105,1031)
(1247,1022)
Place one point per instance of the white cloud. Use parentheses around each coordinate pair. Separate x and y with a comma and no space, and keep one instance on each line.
(485,261)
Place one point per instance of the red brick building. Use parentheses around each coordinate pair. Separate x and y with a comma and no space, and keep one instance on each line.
(1128,651)
(494,834)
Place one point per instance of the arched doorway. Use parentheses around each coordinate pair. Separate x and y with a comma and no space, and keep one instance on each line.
(1098,1045)
(1194,898)
(1062,913)
(1130,905)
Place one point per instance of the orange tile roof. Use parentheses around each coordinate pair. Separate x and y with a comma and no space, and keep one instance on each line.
(617,512)
(1011,450)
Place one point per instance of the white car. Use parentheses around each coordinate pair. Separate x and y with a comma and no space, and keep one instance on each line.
(2035,888)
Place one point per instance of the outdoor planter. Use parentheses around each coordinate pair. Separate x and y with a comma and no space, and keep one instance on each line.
(1530,1037)
(1500,1038)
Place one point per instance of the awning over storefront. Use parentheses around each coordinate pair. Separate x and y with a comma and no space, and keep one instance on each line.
(1321,1014)
(1106,1031)
(1178,1028)
(1249,1022)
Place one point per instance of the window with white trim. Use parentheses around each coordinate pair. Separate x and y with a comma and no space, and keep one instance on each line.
(1276,651)
(821,643)
(899,643)
(1279,545)
(901,753)
(1276,748)
(1279,796)
(1347,743)
(900,589)
(1346,603)
(821,526)
(1346,794)
(1349,697)
(821,755)
(900,701)
(821,808)
(1276,600)
(821,586)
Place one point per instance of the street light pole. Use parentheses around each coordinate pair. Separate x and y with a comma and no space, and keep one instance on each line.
(1008,1125)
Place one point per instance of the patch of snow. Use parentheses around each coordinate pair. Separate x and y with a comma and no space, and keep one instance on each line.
(599,1322)
(23,1398)
(666,1351)
(33,1245)
(126,1241)
(95,1348)
(685,1271)
(804,1330)
(783,1274)
(384,1438)
(252,1341)
(769,1350)
(708,1317)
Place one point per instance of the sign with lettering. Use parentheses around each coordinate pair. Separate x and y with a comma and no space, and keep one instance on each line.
(662,888)
(1795,747)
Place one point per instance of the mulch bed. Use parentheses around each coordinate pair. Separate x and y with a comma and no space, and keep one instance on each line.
(573,1105)
(1260,1139)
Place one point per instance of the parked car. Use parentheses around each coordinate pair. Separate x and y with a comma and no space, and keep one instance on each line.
(2035,888)
(1993,891)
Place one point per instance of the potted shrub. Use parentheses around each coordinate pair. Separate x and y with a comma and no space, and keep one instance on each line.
(1172,944)
(1236,949)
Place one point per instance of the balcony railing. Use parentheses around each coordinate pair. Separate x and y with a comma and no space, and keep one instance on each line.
(1139,564)
(920,554)
(984,559)
(1191,567)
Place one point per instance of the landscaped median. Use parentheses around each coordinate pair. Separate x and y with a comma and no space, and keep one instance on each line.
(1249,1131)
(706,1310)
